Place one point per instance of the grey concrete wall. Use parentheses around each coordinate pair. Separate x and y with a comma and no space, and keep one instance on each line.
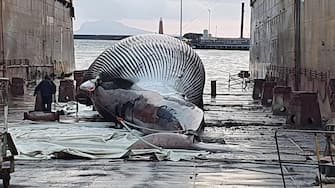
(274,50)
(37,38)
(318,50)
(2,62)
(272,38)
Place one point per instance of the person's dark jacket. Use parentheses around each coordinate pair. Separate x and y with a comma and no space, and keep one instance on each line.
(46,87)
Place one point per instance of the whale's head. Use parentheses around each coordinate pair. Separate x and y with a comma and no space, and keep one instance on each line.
(89,85)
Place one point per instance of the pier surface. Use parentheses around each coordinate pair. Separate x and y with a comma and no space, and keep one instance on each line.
(233,120)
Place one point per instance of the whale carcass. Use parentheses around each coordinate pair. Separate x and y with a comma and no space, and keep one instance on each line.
(152,81)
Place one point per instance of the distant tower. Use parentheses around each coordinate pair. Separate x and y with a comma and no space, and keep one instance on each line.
(242,20)
(160,26)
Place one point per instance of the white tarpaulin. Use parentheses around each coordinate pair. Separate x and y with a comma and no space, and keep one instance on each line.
(46,140)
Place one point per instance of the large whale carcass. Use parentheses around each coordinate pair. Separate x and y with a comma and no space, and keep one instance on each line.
(152,81)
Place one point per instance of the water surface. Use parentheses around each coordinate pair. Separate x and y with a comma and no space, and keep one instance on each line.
(218,63)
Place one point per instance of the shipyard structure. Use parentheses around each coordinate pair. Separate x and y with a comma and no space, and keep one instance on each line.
(293,44)
(36,38)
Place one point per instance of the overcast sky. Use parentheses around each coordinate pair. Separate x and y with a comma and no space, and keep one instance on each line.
(145,14)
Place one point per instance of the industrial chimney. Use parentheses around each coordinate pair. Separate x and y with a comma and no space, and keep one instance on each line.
(242,20)
(160,26)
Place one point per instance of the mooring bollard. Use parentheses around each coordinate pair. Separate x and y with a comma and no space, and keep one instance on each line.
(258,88)
(79,77)
(331,94)
(81,96)
(66,91)
(304,111)
(17,86)
(267,93)
(281,100)
(213,88)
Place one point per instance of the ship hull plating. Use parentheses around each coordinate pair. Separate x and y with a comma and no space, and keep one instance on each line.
(292,43)
(36,38)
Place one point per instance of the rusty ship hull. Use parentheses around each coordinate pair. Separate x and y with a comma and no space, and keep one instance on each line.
(293,44)
(36,38)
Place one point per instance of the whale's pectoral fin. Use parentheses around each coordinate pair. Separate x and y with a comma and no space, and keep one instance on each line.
(177,141)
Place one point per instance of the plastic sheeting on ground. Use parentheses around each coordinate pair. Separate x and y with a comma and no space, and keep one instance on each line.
(92,140)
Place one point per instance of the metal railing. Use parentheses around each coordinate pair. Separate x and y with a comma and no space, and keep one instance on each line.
(315,134)
(241,79)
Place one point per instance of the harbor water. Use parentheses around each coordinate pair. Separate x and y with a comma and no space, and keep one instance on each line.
(218,63)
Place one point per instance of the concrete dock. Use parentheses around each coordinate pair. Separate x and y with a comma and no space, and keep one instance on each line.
(233,120)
